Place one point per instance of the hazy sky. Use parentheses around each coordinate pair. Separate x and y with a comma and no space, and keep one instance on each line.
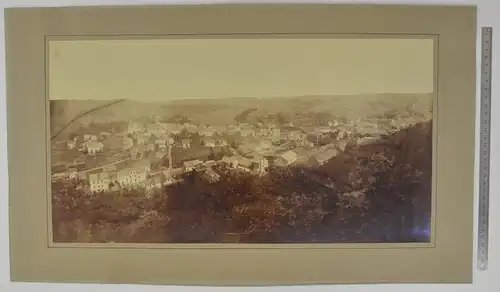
(165,69)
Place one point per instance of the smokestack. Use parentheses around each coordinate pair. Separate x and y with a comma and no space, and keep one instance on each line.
(170,142)
(170,156)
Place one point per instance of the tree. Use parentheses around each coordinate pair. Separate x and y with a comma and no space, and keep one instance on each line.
(281,119)
(184,134)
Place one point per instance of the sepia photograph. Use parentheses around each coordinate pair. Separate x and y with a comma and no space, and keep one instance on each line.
(241,140)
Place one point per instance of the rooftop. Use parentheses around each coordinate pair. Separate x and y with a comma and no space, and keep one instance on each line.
(127,171)
(191,163)
(289,156)
(326,155)
(245,162)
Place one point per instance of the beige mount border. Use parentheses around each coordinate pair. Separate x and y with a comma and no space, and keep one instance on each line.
(447,260)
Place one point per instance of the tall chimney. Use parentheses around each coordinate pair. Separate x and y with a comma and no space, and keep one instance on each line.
(170,156)
(169,145)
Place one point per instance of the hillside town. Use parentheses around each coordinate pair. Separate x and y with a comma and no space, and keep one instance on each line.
(154,154)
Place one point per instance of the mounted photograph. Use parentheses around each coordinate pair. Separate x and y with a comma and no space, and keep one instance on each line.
(241,140)
(247,153)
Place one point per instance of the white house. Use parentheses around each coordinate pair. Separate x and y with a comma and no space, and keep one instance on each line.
(286,158)
(261,164)
(161,143)
(142,139)
(323,130)
(366,141)
(263,132)
(156,182)
(221,142)
(265,145)
(71,144)
(131,176)
(209,142)
(231,161)
(214,142)
(247,132)
(208,132)
(127,143)
(99,182)
(93,147)
(190,128)
(323,157)
(191,165)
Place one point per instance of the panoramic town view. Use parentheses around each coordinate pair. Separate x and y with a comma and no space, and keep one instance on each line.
(306,169)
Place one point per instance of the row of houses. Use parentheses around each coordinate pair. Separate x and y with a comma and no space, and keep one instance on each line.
(310,156)
(90,146)
(244,129)
(90,139)
(257,164)
(126,177)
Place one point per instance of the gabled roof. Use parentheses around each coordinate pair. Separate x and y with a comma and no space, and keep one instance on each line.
(191,163)
(326,155)
(289,156)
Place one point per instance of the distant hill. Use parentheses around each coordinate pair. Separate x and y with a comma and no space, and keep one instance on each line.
(226,110)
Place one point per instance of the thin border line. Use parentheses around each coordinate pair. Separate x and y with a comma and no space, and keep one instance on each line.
(235,35)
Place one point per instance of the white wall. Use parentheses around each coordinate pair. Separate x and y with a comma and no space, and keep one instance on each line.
(489,11)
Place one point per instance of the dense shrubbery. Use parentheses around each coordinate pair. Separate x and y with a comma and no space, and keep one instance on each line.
(371,193)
